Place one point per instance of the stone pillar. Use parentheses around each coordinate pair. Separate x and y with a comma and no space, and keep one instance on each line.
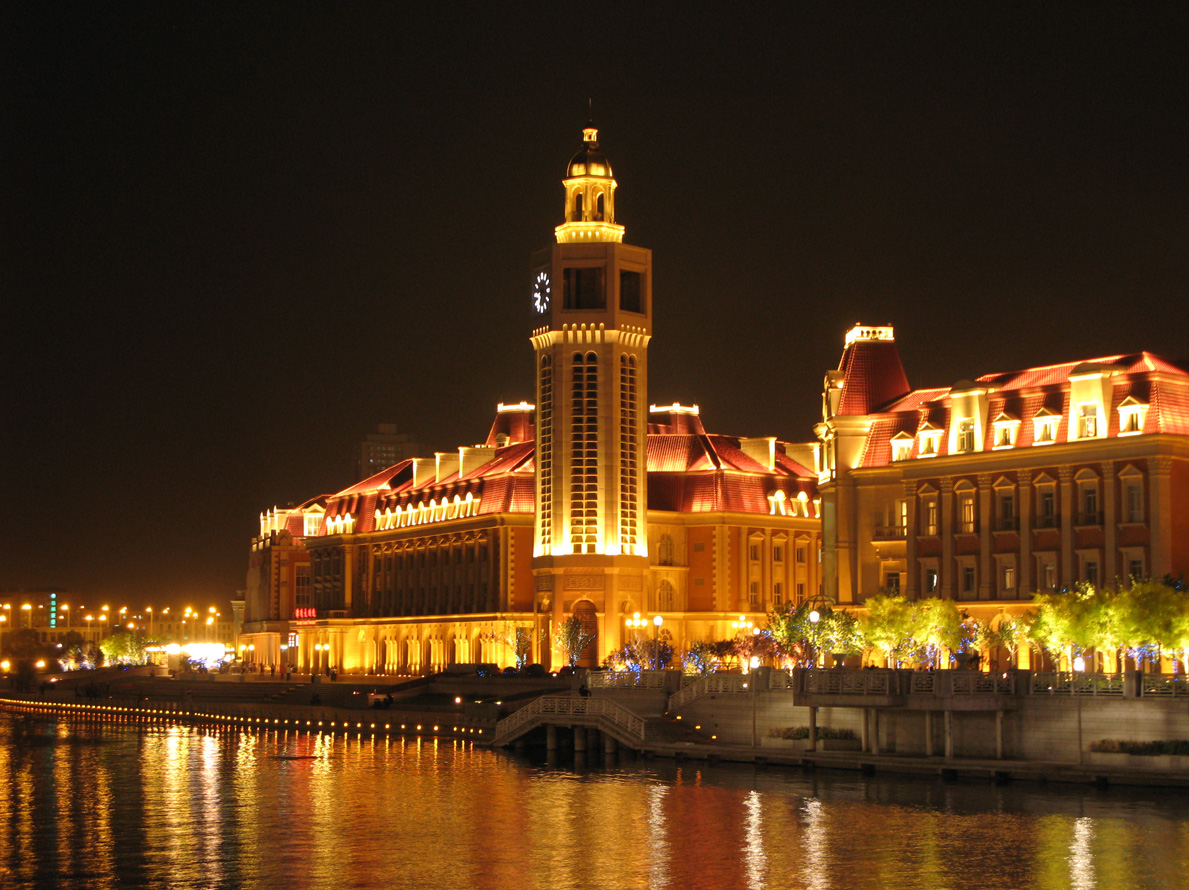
(986,576)
(911,570)
(1110,509)
(812,728)
(1067,508)
(999,734)
(948,584)
(949,735)
(550,737)
(579,739)
(928,733)
(875,730)
(1024,583)
(610,746)
(866,730)
(1160,516)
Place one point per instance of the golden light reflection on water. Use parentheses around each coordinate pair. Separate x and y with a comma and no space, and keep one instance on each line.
(85,805)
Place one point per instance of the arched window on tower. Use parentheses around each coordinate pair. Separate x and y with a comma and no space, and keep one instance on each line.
(598,214)
(664,551)
(664,597)
(577,216)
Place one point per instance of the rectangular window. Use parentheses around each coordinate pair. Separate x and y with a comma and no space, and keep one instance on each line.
(1087,421)
(800,591)
(699,582)
(754,552)
(1135,568)
(967,579)
(699,547)
(1090,570)
(966,435)
(892,583)
(1135,502)
(966,507)
(777,593)
(777,553)
(631,291)
(1009,578)
(931,516)
(800,554)
(1049,576)
(584,289)
(1048,509)
(930,580)
(753,593)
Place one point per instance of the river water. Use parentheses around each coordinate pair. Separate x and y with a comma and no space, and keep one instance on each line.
(153,805)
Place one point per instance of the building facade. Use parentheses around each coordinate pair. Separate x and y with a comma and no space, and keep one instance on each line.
(994,488)
(587,503)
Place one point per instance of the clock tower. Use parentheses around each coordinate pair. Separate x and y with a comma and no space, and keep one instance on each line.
(592,301)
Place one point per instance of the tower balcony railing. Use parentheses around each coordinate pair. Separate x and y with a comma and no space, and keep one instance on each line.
(891,532)
(1087,519)
(1053,521)
(1007,523)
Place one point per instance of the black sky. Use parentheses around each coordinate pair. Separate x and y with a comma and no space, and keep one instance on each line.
(235,240)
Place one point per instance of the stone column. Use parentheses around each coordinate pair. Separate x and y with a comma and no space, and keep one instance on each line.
(1024,570)
(1067,507)
(928,733)
(985,575)
(1160,516)
(1110,509)
(949,735)
(946,569)
(911,571)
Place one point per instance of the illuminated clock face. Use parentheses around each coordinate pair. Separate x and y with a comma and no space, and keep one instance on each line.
(541,292)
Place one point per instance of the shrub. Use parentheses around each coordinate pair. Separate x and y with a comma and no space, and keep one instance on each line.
(1175,747)
(802,732)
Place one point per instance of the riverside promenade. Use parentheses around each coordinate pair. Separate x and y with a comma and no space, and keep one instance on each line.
(723,718)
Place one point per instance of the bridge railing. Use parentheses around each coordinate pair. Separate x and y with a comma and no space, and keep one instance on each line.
(626,679)
(570,706)
(721,684)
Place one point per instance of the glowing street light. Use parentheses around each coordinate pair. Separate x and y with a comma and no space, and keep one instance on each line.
(28,608)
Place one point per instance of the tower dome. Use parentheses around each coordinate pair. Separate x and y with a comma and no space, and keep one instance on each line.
(589,161)
(590,196)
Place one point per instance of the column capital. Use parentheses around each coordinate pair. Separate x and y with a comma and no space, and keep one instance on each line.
(1065,473)
(1160,466)
(1024,477)
(946,484)
(984,480)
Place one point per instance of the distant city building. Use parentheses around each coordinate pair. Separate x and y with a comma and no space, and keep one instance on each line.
(988,490)
(383,449)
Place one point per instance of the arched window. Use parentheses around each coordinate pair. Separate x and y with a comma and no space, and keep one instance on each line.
(664,551)
(664,597)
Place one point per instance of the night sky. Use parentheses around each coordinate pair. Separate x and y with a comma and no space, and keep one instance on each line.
(236,241)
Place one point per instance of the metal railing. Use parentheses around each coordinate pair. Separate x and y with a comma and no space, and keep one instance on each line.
(626,679)
(1067,683)
(866,682)
(571,706)
(1163,685)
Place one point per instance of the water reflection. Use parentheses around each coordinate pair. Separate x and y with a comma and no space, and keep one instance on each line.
(94,805)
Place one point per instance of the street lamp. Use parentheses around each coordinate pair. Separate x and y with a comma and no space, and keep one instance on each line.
(65,607)
(149,609)
(657,621)
(28,608)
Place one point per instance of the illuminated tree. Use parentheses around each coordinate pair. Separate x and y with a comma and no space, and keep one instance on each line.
(123,647)
(572,638)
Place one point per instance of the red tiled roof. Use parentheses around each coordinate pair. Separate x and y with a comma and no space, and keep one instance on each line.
(873,376)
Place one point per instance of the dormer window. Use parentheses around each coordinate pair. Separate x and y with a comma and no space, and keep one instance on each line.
(1045,427)
(930,438)
(1007,429)
(901,446)
(1131,417)
(1087,421)
(965,434)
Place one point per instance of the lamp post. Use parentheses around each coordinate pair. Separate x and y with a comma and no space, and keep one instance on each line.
(149,609)
(657,621)
(25,607)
